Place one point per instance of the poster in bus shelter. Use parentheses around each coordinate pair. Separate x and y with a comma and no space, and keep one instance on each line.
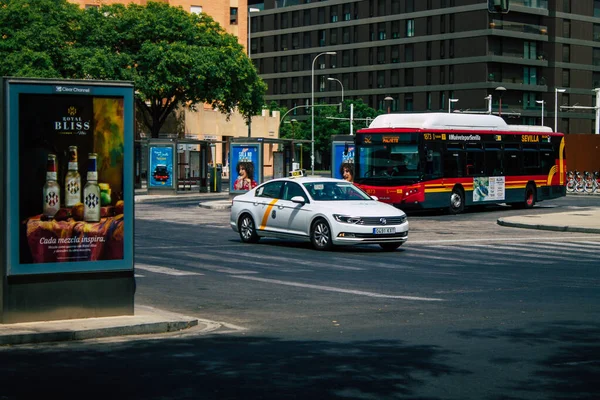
(488,188)
(70,188)
(342,160)
(161,167)
(245,161)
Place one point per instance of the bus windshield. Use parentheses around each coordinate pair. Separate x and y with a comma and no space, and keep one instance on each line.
(398,163)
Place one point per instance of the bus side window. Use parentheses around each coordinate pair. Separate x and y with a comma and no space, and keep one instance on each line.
(475,162)
(453,162)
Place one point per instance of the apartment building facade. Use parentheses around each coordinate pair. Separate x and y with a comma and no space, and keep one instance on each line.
(434,55)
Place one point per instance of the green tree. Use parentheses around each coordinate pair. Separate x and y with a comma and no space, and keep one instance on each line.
(173,57)
(35,35)
(329,121)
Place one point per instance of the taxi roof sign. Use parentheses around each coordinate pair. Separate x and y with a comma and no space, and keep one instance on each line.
(296,173)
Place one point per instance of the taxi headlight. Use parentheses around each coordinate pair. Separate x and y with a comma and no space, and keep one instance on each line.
(346,219)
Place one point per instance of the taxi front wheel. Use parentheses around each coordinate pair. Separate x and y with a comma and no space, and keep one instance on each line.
(320,235)
(247,229)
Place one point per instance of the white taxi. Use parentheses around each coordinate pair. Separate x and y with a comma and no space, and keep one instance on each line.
(324,211)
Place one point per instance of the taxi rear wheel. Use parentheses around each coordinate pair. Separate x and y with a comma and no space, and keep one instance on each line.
(247,229)
(320,235)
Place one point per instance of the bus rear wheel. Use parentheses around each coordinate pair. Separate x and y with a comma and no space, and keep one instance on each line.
(457,201)
(529,196)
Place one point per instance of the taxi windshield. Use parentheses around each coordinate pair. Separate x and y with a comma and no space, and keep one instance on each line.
(335,191)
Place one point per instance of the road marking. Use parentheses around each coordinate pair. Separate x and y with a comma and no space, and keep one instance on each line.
(164,270)
(513,239)
(334,289)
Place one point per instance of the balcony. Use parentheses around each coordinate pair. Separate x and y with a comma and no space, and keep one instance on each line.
(519,27)
(542,4)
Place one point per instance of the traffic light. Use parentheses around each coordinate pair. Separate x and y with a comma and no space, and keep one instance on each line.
(498,6)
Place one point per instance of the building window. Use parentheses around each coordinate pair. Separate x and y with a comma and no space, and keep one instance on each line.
(195,9)
(567,6)
(321,15)
(233,15)
(530,75)
(596,32)
(395,78)
(295,63)
(410,6)
(381,31)
(442,98)
(410,28)
(381,55)
(451,48)
(409,77)
(566,28)
(381,8)
(596,8)
(294,85)
(451,21)
(408,53)
(428,101)
(395,54)
(442,24)
(408,102)
(429,26)
(428,76)
(596,60)
(395,6)
(347,13)
(566,53)
(395,29)
(322,38)
(346,35)
(529,50)
(283,64)
(566,78)
(428,50)
(442,49)
(442,75)
(596,78)
(451,74)
(334,15)
(306,41)
(306,17)
(380,79)
(346,58)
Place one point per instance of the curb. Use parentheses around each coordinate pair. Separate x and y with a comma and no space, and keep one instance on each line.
(146,321)
(556,228)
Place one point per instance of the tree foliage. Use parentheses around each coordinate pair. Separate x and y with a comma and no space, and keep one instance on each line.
(174,58)
(329,121)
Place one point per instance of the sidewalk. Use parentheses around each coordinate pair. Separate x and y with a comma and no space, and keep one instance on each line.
(148,320)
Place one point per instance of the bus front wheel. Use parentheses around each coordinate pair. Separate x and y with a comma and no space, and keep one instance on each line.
(457,201)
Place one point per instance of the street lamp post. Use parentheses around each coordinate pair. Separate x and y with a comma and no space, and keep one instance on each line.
(489,99)
(312,109)
(338,81)
(542,103)
(450,101)
(389,100)
(500,90)
(556,92)
(250,11)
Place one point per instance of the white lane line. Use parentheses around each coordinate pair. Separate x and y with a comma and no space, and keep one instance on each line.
(164,270)
(507,239)
(334,289)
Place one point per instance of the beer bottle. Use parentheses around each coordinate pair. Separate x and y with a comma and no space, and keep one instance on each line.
(91,192)
(72,180)
(51,189)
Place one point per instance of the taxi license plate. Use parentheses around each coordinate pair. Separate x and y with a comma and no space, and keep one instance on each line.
(383,231)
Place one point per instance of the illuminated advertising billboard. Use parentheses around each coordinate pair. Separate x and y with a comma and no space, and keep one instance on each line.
(161,167)
(342,160)
(69,149)
(246,165)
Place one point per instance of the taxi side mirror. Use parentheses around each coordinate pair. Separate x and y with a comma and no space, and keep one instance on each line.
(298,200)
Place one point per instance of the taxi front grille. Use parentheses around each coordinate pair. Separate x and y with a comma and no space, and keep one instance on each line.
(379,220)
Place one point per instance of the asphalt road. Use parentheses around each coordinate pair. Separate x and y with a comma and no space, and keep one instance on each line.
(466,309)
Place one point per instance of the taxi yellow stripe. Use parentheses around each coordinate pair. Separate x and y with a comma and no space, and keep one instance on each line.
(265,218)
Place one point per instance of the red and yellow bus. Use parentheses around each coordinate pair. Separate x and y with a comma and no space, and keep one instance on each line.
(453,161)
